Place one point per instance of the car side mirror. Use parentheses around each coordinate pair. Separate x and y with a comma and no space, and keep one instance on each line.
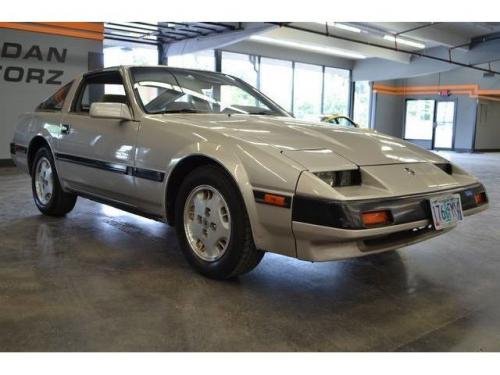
(118,111)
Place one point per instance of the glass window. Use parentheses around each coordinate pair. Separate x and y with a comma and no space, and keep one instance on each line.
(162,90)
(203,60)
(107,88)
(362,96)
(132,55)
(56,101)
(245,67)
(276,78)
(307,91)
(336,94)
(419,119)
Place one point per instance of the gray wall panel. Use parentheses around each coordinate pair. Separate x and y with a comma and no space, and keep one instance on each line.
(388,114)
(466,106)
(488,125)
(16,94)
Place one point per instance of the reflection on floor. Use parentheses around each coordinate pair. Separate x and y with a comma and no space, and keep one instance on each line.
(104,280)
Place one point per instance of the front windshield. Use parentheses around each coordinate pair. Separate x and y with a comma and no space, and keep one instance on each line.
(163,90)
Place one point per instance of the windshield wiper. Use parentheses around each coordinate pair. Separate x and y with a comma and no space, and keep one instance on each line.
(183,110)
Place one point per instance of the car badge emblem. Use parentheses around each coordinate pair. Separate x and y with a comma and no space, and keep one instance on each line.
(410,171)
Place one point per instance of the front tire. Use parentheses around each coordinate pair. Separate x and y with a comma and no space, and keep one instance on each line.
(212,225)
(49,197)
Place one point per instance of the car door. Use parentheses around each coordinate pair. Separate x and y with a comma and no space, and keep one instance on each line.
(95,155)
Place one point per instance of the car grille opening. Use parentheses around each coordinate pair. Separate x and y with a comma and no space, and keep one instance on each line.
(398,238)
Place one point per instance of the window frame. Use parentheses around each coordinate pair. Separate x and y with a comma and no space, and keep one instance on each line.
(83,84)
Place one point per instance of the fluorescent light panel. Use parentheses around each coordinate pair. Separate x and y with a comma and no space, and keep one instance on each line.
(308,47)
(407,42)
(341,26)
(345,27)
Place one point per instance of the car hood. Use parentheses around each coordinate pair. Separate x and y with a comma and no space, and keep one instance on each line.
(360,146)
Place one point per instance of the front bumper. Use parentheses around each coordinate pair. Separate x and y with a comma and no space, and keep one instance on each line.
(329,230)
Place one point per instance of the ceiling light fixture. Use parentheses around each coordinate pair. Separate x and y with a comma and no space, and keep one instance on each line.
(345,27)
(341,26)
(308,47)
(407,42)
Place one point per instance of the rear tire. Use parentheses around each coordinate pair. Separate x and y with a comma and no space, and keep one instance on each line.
(212,225)
(49,197)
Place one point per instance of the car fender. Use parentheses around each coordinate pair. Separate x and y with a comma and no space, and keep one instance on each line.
(271,226)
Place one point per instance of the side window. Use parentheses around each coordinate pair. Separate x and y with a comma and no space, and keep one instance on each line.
(56,101)
(102,87)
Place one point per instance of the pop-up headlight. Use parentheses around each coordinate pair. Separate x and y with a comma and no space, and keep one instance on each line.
(340,178)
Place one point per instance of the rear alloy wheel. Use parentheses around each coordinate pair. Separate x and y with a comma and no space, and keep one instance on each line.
(212,225)
(44,180)
(47,192)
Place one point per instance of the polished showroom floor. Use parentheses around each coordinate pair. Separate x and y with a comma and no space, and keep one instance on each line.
(104,280)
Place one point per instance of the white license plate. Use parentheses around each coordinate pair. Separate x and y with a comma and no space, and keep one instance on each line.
(446,211)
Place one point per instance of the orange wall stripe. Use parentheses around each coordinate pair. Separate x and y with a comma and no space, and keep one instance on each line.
(472,90)
(85,30)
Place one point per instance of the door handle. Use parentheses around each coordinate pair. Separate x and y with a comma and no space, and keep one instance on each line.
(65,128)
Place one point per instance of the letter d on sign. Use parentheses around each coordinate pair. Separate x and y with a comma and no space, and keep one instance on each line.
(11,50)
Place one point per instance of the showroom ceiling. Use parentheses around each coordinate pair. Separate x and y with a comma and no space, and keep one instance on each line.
(429,34)
(414,47)
(164,32)
(355,40)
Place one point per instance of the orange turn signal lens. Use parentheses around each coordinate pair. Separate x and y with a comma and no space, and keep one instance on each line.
(375,218)
(275,200)
(480,198)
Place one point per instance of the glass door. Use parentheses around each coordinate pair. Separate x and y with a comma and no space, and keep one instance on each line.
(419,120)
(443,131)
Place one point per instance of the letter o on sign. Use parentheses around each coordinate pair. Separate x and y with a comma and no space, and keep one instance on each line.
(13,74)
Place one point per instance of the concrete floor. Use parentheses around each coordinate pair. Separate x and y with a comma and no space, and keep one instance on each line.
(104,280)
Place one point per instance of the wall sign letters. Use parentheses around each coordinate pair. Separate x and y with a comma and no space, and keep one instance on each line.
(27,54)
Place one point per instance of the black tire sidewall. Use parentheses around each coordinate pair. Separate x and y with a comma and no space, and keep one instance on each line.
(213,177)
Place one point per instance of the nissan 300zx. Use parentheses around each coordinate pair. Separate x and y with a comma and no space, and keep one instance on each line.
(233,172)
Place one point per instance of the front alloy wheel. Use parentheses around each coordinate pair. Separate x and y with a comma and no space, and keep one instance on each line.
(212,225)
(207,223)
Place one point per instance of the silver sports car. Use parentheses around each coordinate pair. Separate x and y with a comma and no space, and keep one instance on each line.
(232,171)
